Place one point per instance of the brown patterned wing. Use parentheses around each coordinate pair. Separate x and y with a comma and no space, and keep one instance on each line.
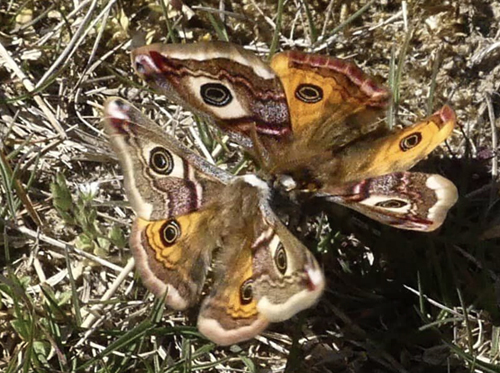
(169,188)
(221,82)
(287,277)
(264,274)
(162,178)
(229,313)
(337,137)
(406,200)
(173,256)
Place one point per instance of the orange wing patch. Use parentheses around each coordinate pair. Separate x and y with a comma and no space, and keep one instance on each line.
(229,314)
(317,87)
(239,294)
(396,152)
(167,238)
(172,256)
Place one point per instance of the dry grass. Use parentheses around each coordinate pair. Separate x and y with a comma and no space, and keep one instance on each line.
(396,301)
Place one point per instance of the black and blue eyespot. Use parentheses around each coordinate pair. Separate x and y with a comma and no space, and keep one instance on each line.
(170,232)
(410,141)
(161,161)
(309,93)
(216,94)
(280,259)
(246,292)
(391,204)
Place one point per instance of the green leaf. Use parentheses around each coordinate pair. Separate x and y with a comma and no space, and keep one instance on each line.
(117,237)
(99,250)
(132,336)
(64,298)
(68,218)
(21,328)
(84,242)
(91,217)
(41,350)
(103,243)
(80,216)
(61,195)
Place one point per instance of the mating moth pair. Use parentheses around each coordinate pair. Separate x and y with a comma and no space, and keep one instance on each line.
(312,124)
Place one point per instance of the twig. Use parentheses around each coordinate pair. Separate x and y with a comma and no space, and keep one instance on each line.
(9,61)
(21,192)
(405,15)
(89,321)
(387,21)
(277,30)
(494,137)
(435,303)
(62,245)
(71,47)
(238,16)
(64,22)
(323,43)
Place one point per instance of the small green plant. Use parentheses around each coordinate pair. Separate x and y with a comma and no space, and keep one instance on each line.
(82,214)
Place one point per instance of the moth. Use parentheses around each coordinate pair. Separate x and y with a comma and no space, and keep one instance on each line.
(187,209)
(313,124)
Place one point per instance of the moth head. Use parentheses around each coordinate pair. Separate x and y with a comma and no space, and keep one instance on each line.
(286,182)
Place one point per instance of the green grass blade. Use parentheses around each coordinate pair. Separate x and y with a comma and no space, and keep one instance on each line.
(432,88)
(348,21)
(124,341)
(277,31)
(219,28)
(310,21)
(170,31)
